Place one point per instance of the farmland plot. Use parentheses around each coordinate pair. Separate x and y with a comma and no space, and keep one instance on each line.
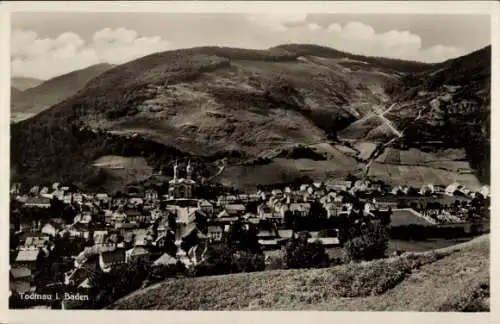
(416,176)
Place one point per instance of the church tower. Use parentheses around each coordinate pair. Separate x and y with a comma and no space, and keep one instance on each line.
(189,171)
(176,171)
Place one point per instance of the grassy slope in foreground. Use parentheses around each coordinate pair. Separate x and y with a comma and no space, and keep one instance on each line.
(450,279)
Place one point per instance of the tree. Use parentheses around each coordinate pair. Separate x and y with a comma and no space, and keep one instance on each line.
(299,253)
(248,262)
(371,243)
(240,239)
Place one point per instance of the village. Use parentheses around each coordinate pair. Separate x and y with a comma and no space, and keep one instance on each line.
(60,225)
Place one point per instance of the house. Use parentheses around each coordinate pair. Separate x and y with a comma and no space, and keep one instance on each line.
(206,206)
(215,232)
(84,218)
(485,191)
(300,209)
(103,197)
(318,184)
(126,227)
(276,192)
(142,237)
(135,201)
(189,215)
(264,211)
(15,189)
(77,198)
(119,216)
(285,234)
(386,203)
(161,239)
(90,255)
(110,259)
(165,260)
(334,209)
(37,242)
(197,253)
(20,279)
(34,190)
(151,194)
(452,188)
(185,231)
(134,215)
(268,238)
(137,254)
(51,228)
(156,213)
(76,276)
(235,209)
(339,184)
(39,202)
(29,258)
(325,241)
(100,237)
(78,230)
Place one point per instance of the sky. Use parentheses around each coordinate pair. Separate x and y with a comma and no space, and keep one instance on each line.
(45,45)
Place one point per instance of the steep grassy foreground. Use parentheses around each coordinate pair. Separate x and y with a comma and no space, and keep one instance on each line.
(451,279)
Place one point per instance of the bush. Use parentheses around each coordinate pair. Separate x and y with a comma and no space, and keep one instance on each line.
(370,244)
(158,273)
(276,262)
(301,254)
(222,260)
(247,262)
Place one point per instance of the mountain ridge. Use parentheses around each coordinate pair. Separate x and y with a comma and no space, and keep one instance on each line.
(205,101)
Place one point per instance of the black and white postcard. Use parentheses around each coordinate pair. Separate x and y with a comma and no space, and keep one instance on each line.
(233,156)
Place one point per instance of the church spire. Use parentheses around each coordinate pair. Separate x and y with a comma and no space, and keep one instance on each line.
(175,170)
(189,170)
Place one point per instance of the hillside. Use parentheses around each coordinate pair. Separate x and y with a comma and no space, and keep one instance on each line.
(48,93)
(23,83)
(450,279)
(207,103)
(444,107)
(15,93)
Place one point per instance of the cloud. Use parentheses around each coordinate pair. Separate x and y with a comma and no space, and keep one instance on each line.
(34,56)
(355,37)
(277,23)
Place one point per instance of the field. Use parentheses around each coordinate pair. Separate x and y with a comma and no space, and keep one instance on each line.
(402,217)
(121,170)
(282,170)
(417,176)
(449,159)
(365,149)
(450,279)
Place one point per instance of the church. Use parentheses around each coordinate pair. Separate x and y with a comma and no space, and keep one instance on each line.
(181,188)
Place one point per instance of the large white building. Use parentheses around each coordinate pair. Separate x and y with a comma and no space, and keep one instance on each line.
(181,187)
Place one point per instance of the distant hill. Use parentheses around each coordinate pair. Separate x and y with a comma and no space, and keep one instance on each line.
(213,102)
(53,91)
(199,102)
(23,83)
(453,279)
